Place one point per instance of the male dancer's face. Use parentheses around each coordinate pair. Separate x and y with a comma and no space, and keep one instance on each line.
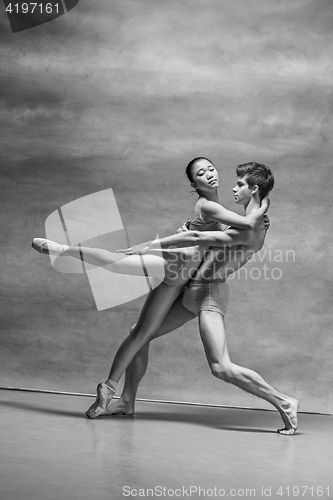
(242,192)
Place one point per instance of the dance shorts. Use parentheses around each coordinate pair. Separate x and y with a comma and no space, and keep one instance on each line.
(182,267)
(207,296)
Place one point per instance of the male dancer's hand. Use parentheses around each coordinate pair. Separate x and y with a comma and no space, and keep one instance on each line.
(135,250)
(184,227)
(140,249)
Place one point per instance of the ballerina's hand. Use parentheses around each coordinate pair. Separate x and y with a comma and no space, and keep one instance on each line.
(265,203)
(266,222)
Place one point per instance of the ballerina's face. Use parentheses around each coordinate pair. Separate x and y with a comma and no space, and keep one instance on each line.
(205,176)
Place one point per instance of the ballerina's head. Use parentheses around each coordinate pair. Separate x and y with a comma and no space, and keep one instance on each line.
(202,175)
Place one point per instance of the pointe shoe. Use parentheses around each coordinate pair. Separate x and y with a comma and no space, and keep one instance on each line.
(48,247)
(102,402)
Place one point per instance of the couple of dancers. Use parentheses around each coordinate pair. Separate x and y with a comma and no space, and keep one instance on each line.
(197,262)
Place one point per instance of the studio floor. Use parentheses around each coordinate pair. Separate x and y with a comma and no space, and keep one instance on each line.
(50,451)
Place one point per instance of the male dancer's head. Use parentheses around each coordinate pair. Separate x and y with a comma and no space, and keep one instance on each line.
(255,181)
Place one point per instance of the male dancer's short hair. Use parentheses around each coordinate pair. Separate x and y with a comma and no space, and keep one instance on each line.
(257,174)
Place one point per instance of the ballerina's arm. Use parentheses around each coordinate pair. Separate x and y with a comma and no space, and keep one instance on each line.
(231,236)
(216,212)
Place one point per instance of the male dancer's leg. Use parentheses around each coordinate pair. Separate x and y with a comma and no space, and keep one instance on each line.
(159,307)
(213,335)
(177,316)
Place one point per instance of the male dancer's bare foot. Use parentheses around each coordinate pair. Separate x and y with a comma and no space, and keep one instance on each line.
(121,407)
(288,412)
(103,398)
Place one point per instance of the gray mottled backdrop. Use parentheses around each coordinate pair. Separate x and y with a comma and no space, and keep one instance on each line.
(122,95)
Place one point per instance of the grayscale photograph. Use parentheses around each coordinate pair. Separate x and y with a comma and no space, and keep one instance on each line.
(166,273)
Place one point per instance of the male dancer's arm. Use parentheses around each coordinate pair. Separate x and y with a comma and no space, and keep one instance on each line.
(230,237)
(227,238)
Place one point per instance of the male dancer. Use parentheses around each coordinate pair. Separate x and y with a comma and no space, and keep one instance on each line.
(207,297)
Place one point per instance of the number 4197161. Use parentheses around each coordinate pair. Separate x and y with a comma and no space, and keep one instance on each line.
(30,8)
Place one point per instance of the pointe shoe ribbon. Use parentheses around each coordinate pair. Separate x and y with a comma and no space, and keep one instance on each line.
(48,247)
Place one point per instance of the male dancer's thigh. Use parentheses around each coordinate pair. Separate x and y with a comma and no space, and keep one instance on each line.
(213,336)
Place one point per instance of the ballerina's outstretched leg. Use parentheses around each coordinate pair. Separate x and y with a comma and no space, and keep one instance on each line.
(99,257)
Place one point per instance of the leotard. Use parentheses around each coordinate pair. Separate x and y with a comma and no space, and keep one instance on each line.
(180,270)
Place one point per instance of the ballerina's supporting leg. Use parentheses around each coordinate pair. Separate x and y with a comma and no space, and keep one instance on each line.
(177,316)
(156,308)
